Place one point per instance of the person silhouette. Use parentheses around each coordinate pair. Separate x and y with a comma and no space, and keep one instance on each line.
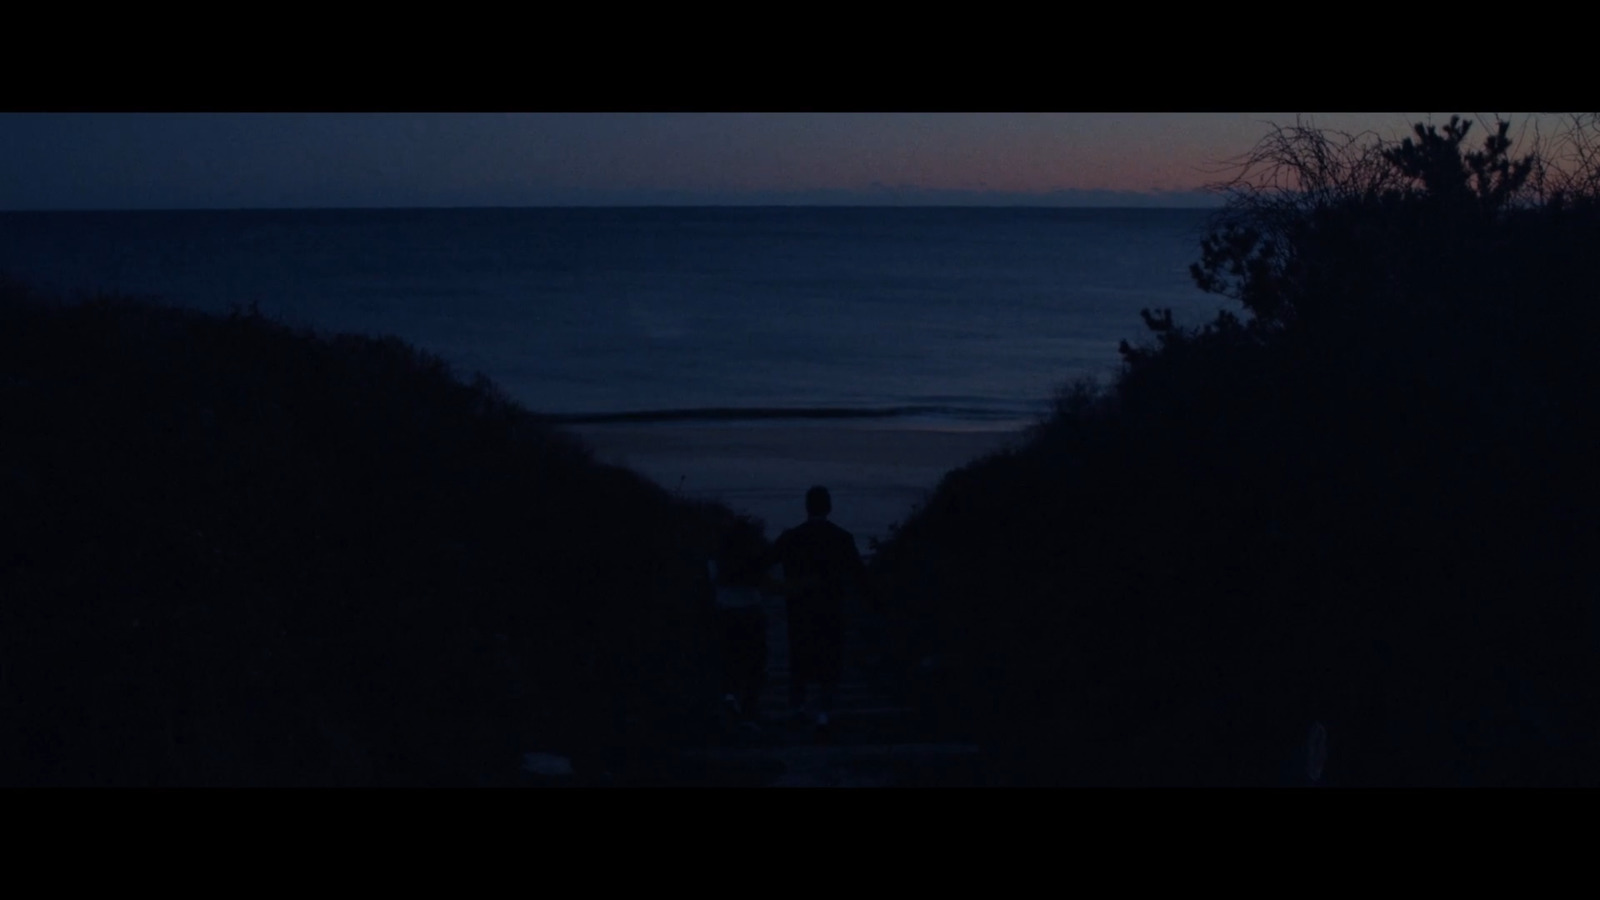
(821,565)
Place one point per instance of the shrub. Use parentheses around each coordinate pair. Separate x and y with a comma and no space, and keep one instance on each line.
(238,553)
(1365,499)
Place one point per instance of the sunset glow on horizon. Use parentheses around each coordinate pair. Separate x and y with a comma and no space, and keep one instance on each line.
(152,161)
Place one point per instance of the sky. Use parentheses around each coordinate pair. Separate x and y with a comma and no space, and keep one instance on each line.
(304,160)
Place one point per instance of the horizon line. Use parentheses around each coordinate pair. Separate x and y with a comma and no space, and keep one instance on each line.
(620,206)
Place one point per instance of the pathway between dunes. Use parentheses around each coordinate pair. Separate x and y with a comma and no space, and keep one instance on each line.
(874,739)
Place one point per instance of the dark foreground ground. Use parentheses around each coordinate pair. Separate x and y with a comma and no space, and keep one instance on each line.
(877,736)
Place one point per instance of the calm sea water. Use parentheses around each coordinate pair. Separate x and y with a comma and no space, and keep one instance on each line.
(946,317)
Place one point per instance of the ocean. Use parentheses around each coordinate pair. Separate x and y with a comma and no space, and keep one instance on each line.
(689,320)
(956,316)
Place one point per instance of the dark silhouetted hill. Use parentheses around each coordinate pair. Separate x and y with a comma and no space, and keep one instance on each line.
(234,553)
(1367,500)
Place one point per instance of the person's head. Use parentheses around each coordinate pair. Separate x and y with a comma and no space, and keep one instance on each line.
(818,503)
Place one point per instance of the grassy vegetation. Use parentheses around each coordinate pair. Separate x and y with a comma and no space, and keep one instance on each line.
(237,553)
(1368,500)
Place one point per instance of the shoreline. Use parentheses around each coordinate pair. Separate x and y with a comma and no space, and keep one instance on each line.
(876,473)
